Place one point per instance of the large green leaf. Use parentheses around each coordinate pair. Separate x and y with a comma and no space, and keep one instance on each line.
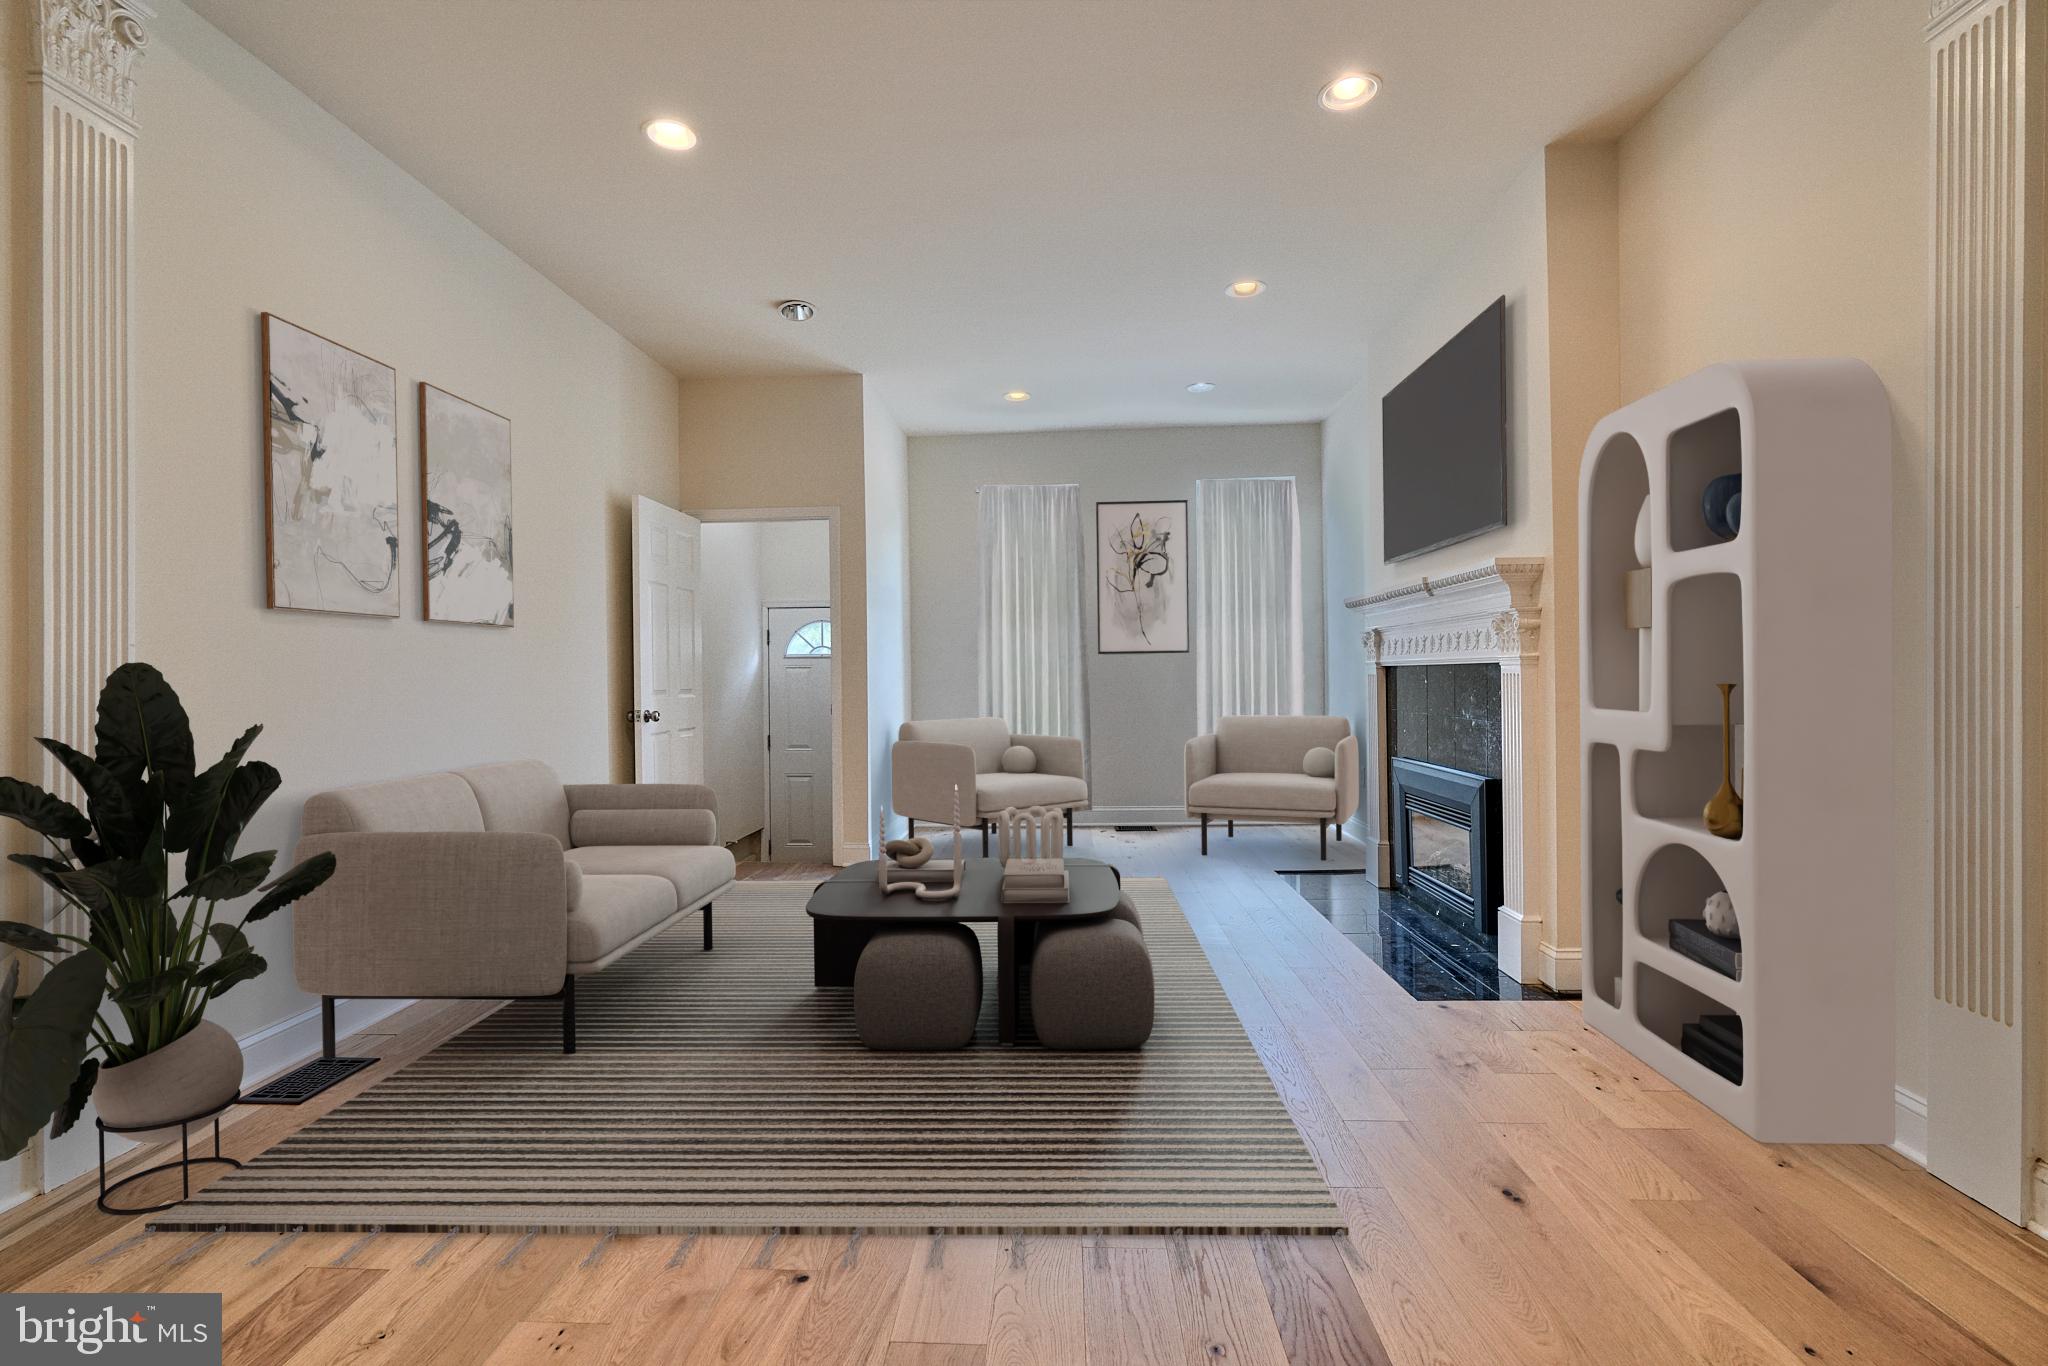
(42,812)
(74,1103)
(293,885)
(51,871)
(248,787)
(237,877)
(141,728)
(147,991)
(197,809)
(34,938)
(43,1044)
(123,826)
(98,885)
(237,962)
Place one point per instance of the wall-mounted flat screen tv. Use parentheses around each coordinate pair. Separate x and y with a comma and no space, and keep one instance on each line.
(1444,442)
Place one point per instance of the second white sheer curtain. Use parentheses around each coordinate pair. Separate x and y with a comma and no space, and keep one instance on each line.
(1033,561)
(1247,559)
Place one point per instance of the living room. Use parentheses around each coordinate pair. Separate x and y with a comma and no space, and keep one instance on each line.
(1136,718)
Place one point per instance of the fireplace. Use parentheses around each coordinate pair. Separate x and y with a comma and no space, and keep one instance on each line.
(1447,841)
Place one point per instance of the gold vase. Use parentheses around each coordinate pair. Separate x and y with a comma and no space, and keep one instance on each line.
(1724,811)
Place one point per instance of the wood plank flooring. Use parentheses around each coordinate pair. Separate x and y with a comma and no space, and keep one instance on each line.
(1518,1190)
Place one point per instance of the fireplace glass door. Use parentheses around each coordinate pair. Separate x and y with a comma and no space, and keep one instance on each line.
(1440,849)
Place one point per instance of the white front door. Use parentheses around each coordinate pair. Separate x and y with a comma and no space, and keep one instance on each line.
(668,641)
(799,657)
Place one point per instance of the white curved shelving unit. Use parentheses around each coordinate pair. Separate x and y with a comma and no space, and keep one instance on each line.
(1797,609)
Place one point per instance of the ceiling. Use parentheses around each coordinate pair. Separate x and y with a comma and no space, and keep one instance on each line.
(982,195)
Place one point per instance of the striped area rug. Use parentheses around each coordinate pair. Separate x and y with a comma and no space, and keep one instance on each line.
(722,1092)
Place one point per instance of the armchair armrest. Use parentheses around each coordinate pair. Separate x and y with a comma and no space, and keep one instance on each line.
(1059,754)
(641,813)
(1347,778)
(1201,758)
(923,775)
(441,913)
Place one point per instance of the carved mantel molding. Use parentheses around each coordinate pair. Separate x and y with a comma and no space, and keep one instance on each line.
(92,47)
(1482,615)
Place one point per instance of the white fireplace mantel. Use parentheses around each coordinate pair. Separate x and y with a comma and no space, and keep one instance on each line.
(1490,614)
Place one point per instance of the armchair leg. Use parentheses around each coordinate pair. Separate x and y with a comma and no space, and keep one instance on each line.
(1070,827)
(568,994)
(984,839)
(707,927)
(1340,832)
(1230,829)
(1205,834)
(910,822)
(326,1026)
(1323,829)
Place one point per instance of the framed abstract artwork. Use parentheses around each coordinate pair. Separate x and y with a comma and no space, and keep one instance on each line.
(466,510)
(331,474)
(1141,601)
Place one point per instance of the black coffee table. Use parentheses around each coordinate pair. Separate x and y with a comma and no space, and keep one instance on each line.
(847,910)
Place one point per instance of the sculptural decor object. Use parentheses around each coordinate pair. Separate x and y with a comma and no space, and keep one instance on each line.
(1721,506)
(905,855)
(1724,810)
(1035,832)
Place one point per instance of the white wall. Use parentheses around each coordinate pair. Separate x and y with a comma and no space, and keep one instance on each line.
(1141,708)
(887,465)
(730,612)
(795,564)
(252,198)
(1774,203)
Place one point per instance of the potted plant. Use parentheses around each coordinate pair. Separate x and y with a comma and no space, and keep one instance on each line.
(157,945)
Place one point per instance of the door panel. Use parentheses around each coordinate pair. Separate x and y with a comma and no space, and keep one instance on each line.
(799,735)
(668,683)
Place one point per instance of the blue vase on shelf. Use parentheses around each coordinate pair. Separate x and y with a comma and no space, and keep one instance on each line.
(1721,506)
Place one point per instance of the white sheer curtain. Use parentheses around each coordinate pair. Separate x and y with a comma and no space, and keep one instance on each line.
(1247,561)
(1033,562)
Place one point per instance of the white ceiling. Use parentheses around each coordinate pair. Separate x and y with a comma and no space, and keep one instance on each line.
(981,195)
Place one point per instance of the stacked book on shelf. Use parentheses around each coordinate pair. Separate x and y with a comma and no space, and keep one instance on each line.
(1715,1042)
(1721,952)
(1035,881)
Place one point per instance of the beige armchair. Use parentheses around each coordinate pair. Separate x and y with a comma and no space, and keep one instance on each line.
(932,758)
(1252,768)
(498,881)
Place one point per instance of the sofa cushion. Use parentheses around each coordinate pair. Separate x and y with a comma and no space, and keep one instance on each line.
(613,910)
(994,791)
(1020,759)
(1281,793)
(434,802)
(643,827)
(987,736)
(1273,744)
(522,795)
(696,871)
(1320,762)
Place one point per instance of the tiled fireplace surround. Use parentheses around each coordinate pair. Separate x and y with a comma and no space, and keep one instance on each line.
(1487,615)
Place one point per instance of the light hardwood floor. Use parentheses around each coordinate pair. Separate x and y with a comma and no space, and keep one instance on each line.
(1518,1190)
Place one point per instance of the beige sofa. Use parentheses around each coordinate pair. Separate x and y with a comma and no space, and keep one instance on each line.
(498,881)
(1251,769)
(932,758)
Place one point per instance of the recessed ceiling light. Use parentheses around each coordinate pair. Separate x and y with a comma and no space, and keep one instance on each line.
(673,134)
(796,310)
(1244,289)
(1200,386)
(1017,395)
(1350,90)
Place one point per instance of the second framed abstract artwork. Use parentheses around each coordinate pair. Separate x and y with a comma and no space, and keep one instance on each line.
(1141,603)
(466,510)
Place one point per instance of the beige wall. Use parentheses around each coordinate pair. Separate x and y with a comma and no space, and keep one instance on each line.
(251,198)
(1774,203)
(1141,707)
(798,442)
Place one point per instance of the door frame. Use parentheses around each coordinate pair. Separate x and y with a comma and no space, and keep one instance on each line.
(844,836)
(769,606)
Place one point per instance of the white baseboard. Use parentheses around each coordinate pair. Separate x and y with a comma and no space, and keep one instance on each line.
(2037,1218)
(1133,815)
(279,1047)
(1559,968)
(1910,1126)
(1511,954)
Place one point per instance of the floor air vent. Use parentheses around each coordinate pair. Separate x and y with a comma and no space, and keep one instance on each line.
(301,1084)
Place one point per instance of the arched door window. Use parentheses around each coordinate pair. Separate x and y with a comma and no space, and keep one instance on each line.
(812,640)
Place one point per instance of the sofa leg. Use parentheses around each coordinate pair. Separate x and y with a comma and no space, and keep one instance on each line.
(1323,829)
(568,995)
(326,1026)
(1205,834)
(707,927)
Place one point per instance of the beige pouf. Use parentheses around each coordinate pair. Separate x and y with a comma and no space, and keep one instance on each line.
(918,989)
(1091,984)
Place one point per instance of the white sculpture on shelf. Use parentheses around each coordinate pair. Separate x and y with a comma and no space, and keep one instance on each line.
(1035,832)
(1720,914)
(908,855)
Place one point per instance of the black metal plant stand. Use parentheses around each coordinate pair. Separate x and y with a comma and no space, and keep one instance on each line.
(183,1165)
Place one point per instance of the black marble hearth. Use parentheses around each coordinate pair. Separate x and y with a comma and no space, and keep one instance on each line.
(1431,959)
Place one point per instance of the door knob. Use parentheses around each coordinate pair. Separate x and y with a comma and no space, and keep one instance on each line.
(647,716)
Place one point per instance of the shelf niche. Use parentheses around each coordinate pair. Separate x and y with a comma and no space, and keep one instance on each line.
(1701,453)
(1665,1006)
(1620,483)
(1603,870)
(1675,886)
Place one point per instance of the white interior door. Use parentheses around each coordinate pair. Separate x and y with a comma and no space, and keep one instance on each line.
(668,646)
(799,657)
